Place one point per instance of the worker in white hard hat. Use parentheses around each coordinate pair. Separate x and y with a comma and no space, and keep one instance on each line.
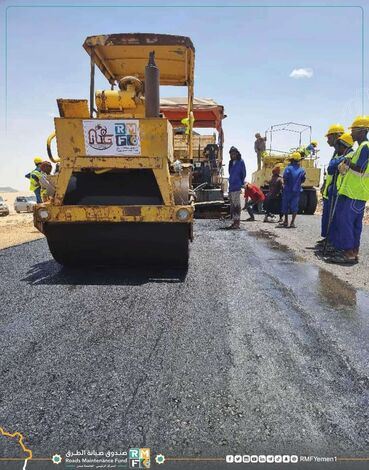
(34,179)
(293,177)
(353,193)
(333,133)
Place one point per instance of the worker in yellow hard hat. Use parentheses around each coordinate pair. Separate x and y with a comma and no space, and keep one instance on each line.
(343,150)
(34,179)
(353,193)
(312,148)
(293,177)
(333,133)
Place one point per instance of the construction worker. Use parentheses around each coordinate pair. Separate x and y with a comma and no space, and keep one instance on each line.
(237,175)
(34,179)
(253,196)
(273,199)
(343,147)
(312,148)
(293,177)
(47,188)
(334,132)
(259,146)
(353,192)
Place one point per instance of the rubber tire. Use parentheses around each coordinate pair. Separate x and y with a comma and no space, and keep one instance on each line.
(312,202)
(303,202)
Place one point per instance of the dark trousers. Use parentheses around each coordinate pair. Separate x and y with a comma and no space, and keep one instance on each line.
(273,206)
(250,207)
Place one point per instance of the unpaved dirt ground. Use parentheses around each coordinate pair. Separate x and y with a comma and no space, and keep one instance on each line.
(16,228)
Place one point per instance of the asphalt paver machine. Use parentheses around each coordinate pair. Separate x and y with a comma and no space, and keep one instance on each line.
(208,182)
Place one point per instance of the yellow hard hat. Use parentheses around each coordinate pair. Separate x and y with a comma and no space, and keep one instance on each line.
(335,129)
(346,139)
(314,142)
(38,160)
(361,121)
(295,156)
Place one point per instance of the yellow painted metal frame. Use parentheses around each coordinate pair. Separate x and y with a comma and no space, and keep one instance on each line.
(119,55)
(176,59)
(113,213)
(156,145)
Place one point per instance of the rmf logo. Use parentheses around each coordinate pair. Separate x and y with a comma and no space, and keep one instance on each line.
(139,458)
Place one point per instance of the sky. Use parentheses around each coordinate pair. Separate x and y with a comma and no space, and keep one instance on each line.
(266,65)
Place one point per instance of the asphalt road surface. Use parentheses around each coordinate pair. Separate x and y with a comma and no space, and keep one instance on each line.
(252,351)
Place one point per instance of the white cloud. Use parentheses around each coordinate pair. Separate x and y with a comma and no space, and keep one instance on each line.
(302,73)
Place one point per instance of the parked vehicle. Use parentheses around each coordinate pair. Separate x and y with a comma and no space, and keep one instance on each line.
(4,209)
(24,204)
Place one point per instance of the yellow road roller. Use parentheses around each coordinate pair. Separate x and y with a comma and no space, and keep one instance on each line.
(120,197)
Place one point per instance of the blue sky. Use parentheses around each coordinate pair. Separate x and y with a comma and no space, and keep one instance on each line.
(244,58)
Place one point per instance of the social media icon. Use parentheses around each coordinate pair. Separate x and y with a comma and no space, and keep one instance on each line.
(254,459)
(262,459)
(229,458)
(277,458)
(270,458)
(286,459)
(294,459)
(238,459)
(246,459)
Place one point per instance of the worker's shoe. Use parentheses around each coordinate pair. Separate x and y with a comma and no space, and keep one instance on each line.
(340,258)
(250,219)
(234,226)
(320,242)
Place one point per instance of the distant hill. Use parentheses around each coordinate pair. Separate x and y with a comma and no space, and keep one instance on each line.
(7,189)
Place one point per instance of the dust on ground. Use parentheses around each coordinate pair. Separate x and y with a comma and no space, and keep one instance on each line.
(16,228)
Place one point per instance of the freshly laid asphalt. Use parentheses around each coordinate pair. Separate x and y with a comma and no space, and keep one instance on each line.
(253,350)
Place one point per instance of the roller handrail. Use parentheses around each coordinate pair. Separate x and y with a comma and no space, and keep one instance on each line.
(48,147)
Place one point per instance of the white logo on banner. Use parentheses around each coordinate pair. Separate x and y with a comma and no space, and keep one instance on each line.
(109,137)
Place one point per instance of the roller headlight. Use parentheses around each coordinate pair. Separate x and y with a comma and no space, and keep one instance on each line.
(43,214)
(183,214)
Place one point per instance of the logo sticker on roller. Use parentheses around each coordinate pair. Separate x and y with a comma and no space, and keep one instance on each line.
(114,138)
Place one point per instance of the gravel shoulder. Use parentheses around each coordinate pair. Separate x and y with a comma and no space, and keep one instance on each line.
(16,228)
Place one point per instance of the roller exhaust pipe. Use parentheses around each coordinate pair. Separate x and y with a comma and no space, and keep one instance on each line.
(152,88)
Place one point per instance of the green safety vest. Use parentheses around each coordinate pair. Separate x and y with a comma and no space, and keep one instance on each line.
(328,180)
(34,184)
(355,185)
(340,177)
